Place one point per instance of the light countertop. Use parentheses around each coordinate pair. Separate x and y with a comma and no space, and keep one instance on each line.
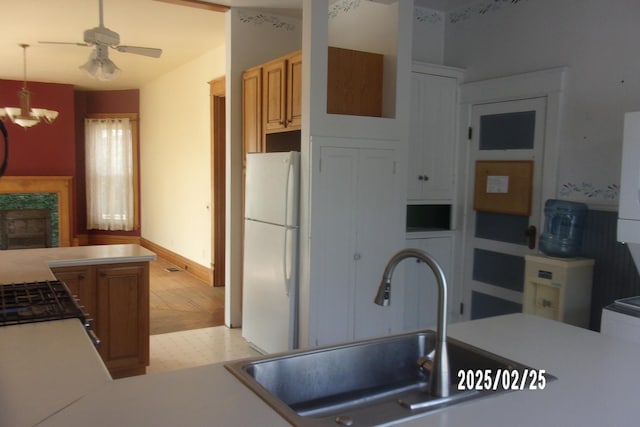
(598,384)
(24,265)
(43,368)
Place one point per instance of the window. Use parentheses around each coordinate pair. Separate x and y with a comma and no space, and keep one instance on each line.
(111,172)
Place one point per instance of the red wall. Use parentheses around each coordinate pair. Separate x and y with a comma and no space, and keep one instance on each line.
(58,149)
(43,149)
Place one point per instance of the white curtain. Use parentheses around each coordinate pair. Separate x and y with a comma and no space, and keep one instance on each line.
(109,174)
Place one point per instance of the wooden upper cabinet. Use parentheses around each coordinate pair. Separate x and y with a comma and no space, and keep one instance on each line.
(252,110)
(294,90)
(355,82)
(274,95)
(282,93)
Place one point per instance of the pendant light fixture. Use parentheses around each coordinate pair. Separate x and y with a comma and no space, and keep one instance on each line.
(24,115)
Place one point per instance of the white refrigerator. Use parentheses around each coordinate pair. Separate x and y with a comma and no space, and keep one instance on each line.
(269,295)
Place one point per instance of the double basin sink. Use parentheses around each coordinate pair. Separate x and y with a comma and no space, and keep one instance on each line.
(372,382)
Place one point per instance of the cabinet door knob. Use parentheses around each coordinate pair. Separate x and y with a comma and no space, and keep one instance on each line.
(356,256)
(425,177)
(420,177)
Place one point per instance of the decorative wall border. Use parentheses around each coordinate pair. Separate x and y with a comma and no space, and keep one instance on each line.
(259,18)
(480,8)
(342,6)
(589,191)
(427,16)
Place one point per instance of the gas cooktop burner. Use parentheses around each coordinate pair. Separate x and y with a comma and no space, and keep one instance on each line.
(37,302)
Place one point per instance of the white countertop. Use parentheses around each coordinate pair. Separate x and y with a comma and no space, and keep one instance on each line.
(45,367)
(598,384)
(24,265)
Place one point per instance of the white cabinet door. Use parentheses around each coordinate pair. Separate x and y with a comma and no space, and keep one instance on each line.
(421,288)
(354,206)
(374,236)
(333,245)
(432,137)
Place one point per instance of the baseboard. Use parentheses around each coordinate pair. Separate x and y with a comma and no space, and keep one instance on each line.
(203,273)
(107,239)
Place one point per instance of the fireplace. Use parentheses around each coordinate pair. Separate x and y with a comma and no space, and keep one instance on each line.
(45,204)
(25,228)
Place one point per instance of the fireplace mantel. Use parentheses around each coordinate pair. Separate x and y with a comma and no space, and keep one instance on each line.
(61,185)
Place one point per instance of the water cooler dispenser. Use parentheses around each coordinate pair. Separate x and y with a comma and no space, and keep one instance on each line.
(563,225)
(558,288)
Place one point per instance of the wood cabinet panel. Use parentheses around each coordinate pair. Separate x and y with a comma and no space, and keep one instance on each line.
(274,95)
(116,296)
(252,110)
(123,313)
(294,90)
(81,282)
(355,82)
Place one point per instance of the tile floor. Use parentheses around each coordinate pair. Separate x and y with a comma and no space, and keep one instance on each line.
(184,349)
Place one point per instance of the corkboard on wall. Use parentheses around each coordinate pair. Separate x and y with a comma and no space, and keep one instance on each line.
(503,186)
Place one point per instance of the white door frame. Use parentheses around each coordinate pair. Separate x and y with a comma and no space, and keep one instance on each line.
(547,83)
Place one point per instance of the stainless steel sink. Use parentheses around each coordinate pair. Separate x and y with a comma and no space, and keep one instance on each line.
(372,382)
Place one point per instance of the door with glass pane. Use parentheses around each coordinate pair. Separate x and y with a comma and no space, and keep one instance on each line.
(496,242)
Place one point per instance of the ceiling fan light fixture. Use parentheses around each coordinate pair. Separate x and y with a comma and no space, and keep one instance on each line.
(99,66)
(24,115)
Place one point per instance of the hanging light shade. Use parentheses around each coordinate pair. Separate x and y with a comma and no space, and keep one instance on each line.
(99,65)
(24,115)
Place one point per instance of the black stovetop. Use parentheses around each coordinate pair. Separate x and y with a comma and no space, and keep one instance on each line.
(37,302)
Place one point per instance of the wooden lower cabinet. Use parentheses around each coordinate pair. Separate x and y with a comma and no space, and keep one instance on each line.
(81,282)
(119,295)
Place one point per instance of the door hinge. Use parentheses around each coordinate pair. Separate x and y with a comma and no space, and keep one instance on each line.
(461,308)
(469,133)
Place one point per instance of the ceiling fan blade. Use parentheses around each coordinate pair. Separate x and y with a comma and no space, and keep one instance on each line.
(69,43)
(146,51)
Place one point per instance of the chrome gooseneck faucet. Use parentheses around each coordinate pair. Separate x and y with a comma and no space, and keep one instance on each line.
(439,378)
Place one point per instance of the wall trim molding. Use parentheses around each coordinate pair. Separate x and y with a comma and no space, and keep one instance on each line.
(109,239)
(201,272)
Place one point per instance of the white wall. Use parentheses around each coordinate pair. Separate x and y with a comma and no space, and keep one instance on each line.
(598,42)
(175,156)
(428,35)
(253,38)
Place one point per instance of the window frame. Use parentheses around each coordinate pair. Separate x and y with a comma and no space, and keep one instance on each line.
(133,119)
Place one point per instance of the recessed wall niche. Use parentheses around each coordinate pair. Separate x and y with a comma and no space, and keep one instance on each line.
(370,27)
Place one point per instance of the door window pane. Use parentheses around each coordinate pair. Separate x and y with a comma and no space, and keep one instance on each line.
(498,269)
(507,131)
(483,305)
(502,227)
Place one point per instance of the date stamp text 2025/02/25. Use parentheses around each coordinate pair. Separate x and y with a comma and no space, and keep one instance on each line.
(501,379)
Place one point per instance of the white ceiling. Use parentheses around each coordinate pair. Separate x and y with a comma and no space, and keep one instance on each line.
(183,33)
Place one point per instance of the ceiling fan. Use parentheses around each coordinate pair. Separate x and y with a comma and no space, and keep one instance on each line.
(102,38)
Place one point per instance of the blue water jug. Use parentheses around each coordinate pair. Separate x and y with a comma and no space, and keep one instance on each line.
(563,226)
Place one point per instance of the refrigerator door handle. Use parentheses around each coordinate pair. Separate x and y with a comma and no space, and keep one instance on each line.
(286,261)
(287,193)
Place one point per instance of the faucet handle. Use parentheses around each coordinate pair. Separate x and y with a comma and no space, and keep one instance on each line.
(425,363)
